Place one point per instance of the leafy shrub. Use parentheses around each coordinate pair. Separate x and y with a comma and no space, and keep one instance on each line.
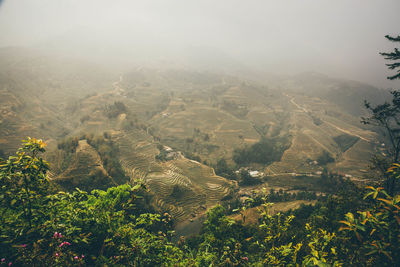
(117,227)
(247,179)
(374,234)
(222,169)
(112,227)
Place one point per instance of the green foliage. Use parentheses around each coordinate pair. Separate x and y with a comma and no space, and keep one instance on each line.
(162,156)
(116,228)
(168,154)
(282,196)
(112,111)
(316,120)
(109,227)
(109,154)
(375,232)
(395,55)
(387,117)
(222,169)
(69,145)
(345,141)
(24,185)
(221,236)
(265,151)
(192,156)
(322,249)
(325,158)
(246,179)
(335,183)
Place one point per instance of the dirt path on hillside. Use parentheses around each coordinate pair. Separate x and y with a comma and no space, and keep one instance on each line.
(347,132)
(327,122)
(297,105)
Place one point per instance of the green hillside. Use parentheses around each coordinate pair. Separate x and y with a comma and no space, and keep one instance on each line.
(202,117)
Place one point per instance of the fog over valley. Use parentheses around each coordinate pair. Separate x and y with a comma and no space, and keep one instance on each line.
(199,133)
(341,38)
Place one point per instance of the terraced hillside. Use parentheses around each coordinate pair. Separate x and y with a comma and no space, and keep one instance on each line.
(199,115)
(316,126)
(40,95)
(211,120)
(181,186)
(85,170)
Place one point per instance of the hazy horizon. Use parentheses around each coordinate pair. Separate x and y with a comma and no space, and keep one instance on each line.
(338,38)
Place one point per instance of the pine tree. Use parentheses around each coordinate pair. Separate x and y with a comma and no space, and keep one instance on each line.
(395,55)
(387,116)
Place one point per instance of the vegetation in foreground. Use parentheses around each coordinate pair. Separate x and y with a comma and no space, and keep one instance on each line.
(116,227)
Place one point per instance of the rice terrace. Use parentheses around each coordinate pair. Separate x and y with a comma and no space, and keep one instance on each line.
(212,133)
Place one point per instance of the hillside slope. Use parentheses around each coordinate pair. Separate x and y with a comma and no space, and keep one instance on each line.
(202,117)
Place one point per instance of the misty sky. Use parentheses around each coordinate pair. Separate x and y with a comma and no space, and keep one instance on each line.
(340,38)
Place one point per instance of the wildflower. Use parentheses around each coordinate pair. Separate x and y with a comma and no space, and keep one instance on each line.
(57,255)
(64,243)
(57,235)
(10,263)
(82,256)
(3,260)
(245,258)
(76,257)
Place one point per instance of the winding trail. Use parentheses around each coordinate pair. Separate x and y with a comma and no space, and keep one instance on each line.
(347,132)
(327,122)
